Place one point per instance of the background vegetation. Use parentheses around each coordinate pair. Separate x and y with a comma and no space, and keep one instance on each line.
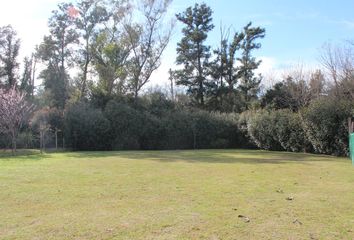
(99,56)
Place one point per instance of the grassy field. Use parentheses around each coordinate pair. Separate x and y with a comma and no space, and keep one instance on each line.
(211,194)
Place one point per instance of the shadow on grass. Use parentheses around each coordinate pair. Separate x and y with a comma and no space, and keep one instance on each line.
(23,155)
(212,156)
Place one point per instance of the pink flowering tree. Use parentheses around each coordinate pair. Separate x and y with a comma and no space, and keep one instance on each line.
(14,111)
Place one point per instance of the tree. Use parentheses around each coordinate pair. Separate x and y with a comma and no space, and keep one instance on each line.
(90,14)
(9,50)
(278,97)
(57,53)
(224,68)
(249,84)
(40,120)
(338,61)
(27,81)
(317,84)
(147,41)
(110,60)
(298,88)
(171,78)
(193,53)
(14,111)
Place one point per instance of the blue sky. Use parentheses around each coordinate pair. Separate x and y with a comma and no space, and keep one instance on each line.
(295,30)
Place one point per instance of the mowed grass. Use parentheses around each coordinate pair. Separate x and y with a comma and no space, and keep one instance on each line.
(176,195)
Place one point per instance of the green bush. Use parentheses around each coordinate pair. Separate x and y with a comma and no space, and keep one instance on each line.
(262,130)
(5,141)
(178,130)
(126,125)
(289,131)
(86,128)
(275,130)
(325,123)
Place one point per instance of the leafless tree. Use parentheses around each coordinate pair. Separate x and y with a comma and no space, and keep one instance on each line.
(339,63)
(14,111)
(148,40)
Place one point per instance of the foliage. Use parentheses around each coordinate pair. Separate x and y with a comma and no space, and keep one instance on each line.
(56,53)
(147,41)
(9,51)
(86,128)
(192,52)
(126,125)
(110,59)
(290,132)
(116,46)
(277,97)
(249,81)
(261,128)
(90,15)
(325,124)
(275,130)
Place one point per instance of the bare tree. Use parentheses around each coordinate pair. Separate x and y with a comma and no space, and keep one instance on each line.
(296,82)
(317,84)
(171,78)
(14,111)
(147,39)
(41,121)
(339,63)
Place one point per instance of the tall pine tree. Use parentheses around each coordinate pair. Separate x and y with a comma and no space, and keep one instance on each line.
(192,52)
(56,53)
(250,82)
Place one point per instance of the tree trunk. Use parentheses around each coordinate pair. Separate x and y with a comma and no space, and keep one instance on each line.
(200,77)
(40,142)
(44,141)
(201,92)
(56,139)
(13,142)
(136,92)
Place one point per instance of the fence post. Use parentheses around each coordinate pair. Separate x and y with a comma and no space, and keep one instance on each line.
(351,138)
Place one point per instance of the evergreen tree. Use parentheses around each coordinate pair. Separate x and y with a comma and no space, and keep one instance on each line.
(249,85)
(9,50)
(57,53)
(193,53)
(227,73)
(26,79)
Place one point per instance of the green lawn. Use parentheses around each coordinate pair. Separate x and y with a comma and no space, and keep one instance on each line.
(176,195)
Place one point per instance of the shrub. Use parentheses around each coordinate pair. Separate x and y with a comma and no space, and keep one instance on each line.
(275,130)
(289,131)
(178,130)
(126,123)
(325,124)
(86,128)
(261,128)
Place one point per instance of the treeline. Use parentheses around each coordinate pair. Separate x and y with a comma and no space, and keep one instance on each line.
(99,56)
(154,123)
